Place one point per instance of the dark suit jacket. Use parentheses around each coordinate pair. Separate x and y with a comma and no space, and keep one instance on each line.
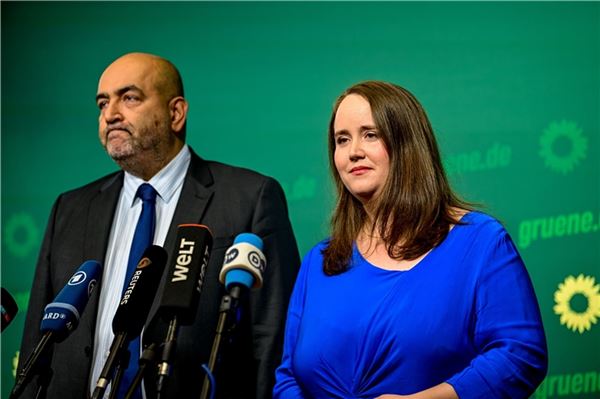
(229,201)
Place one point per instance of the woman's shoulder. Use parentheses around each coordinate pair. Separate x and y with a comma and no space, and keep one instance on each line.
(316,252)
(312,261)
(481,221)
(476,228)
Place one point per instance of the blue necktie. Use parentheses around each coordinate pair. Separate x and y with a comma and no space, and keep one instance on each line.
(142,239)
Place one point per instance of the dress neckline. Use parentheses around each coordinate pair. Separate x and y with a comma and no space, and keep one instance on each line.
(451,233)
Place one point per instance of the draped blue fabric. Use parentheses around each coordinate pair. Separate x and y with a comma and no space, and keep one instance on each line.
(466,314)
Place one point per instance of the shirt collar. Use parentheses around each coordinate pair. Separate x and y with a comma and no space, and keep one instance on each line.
(165,182)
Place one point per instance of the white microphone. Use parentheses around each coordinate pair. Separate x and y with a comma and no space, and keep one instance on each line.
(244,263)
(243,267)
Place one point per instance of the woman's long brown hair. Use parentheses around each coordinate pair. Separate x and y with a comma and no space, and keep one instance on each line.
(414,211)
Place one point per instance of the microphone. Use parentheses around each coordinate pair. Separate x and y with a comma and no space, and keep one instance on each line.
(186,273)
(182,289)
(244,263)
(137,298)
(9,309)
(132,311)
(242,269)
(61,317)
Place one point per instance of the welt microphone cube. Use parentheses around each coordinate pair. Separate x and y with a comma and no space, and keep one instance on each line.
(186,273)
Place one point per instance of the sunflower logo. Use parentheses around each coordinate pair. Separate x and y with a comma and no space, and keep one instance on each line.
(21,234)
(15,363)
(557,134)
(569,290)
(302,188)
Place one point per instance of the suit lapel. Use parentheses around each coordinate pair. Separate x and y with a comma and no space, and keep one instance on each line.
(194,199)
(193,202)
(98,225)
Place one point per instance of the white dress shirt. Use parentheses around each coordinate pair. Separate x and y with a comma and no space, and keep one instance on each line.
(167,183)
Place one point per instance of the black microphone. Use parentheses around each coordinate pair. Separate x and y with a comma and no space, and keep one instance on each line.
(61,317)
(132,311)
(182,289)
(9,309)
(186,273)
(243,268)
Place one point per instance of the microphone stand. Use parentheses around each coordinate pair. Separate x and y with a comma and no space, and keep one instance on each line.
(114,358)
(168,353)
(43,382)
(148,356)
(121,366)
(33,367)
(229,303)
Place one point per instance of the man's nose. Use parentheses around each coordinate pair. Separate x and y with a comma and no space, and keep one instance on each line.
(112,112)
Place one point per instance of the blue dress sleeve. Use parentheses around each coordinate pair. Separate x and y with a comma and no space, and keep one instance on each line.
(508,332)
(286,386)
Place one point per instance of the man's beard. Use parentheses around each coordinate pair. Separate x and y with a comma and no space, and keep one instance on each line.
(144,152)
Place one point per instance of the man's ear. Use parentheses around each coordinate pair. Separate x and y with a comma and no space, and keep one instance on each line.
(178,109)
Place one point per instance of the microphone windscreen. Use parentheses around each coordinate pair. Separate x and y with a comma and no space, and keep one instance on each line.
(244,262)
(139,294)
(186,273)
(62,316)
(249,238)
(9,308)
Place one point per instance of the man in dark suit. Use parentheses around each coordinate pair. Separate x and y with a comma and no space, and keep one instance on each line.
(142,126)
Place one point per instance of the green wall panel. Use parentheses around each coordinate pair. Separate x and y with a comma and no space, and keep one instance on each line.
(512,90)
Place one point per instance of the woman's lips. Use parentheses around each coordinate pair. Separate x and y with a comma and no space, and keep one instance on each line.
(359,170)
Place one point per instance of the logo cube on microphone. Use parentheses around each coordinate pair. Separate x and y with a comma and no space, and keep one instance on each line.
(244,262)
(62,316)
(186,273)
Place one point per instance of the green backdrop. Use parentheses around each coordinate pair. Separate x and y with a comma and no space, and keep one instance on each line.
(512,90)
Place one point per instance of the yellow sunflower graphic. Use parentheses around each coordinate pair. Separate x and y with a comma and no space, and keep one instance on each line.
(15,363)
(582,285)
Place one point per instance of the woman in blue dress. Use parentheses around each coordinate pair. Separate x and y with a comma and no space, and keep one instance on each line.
(414,295)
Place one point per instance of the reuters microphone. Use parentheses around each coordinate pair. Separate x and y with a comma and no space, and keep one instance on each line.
(132,312)
(182,289)
(61,317)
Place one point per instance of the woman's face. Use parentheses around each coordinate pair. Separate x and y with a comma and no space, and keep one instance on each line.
(360,155)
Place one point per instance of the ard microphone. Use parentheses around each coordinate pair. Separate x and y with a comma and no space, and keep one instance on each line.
(9,308)
(133,310)
(244,263)
(186,273)
(182,290)
(61,317)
